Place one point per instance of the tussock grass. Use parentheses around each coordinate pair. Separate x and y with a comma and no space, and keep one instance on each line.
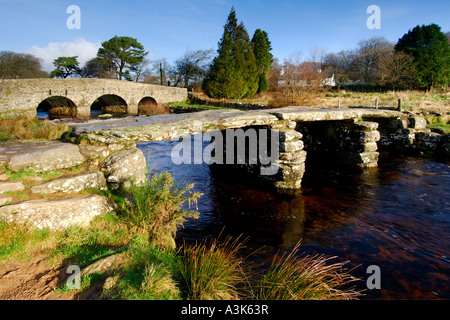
(290,277)
(30,128)
(213,271)
(158,282)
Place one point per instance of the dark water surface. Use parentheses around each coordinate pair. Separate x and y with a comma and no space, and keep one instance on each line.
(396,216)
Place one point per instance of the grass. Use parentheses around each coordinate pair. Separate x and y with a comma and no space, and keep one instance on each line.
(213,271)
(193,107)
(155,210)
(30,128)
(414,100)
(154,269)
(290,277)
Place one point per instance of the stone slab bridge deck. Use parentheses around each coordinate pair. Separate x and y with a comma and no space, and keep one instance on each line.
(349,136)
(75,97)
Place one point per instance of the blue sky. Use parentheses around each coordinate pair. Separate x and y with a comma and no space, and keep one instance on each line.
(167,28)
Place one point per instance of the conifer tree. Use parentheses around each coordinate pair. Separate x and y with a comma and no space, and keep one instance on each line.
(233,71)
(431,52)
(261,49)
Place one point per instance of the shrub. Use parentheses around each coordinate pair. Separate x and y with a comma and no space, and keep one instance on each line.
(155,209)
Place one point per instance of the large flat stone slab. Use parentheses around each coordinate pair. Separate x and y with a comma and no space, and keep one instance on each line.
(75,183)
(57,214)
(167,127)
(304,114)
(54,157)
(11,187)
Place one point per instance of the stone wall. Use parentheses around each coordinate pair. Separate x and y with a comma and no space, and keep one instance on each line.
(22,97)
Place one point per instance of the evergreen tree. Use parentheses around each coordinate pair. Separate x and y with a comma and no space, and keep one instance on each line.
(65,67)
(233,71)
(261,49)
(431,52)
(121,54)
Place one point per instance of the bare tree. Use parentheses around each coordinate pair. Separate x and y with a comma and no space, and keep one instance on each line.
(396,69)
(368,56)
(20,66)
(299,81)
(192,67)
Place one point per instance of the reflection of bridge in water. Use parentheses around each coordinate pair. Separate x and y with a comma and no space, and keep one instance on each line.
(346,136)
(78,97)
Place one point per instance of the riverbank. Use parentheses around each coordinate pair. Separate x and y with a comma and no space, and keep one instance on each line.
(74,225)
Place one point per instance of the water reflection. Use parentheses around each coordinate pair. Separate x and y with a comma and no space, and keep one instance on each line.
(395,216)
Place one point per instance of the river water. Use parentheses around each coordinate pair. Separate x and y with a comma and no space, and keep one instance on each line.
(396,216)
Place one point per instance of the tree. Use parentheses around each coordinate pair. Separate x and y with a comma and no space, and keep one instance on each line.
(94,68)
(368,57)
(137,71)
(233,73)
(397,70)
(263,57)
(20,66)
(430,49)
(192,66)
(65,67)
(340,64)
(121,54)
(299,81)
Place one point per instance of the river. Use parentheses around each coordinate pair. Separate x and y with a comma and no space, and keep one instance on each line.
(396,216)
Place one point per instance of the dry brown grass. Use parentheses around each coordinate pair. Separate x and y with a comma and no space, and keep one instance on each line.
(30,128)
(415,101)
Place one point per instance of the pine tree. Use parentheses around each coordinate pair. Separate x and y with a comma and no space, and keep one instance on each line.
(261,49)
(233,71)
(431,52)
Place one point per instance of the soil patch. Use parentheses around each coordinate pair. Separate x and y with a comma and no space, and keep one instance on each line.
(35,279)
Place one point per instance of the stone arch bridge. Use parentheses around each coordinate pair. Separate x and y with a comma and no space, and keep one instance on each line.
(76,97)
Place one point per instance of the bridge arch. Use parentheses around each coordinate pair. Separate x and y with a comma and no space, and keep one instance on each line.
(109,103)
(149,106)
(57,107)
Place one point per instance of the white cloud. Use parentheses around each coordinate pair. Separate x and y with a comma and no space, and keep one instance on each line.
(85,51)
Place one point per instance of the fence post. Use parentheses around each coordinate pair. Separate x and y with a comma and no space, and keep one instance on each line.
(400,105)
(376,103)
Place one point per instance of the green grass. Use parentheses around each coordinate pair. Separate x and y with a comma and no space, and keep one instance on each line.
(30,174)
(187,105)
(155,209)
